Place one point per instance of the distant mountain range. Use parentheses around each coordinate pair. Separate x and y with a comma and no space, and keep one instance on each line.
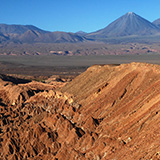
(32,34)
(127,25)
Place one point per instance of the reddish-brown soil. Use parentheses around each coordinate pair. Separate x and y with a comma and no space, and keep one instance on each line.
(108,112)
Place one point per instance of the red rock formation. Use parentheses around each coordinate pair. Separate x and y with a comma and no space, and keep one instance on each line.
(108,112)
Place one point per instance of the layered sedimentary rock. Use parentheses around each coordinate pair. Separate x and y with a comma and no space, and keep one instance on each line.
(108,112)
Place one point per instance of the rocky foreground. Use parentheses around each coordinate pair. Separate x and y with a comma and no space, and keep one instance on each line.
(108,112)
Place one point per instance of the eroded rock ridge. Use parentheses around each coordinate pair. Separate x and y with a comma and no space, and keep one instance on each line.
(107,112)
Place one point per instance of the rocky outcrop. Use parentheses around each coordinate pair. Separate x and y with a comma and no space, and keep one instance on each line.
(108,112)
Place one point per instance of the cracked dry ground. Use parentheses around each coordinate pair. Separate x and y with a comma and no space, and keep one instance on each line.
(107,112)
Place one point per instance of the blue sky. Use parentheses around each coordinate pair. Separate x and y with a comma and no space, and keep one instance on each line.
(74,15)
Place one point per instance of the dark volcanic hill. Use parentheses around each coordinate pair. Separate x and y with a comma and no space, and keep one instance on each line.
(81,33)
(157,22)
(127,25)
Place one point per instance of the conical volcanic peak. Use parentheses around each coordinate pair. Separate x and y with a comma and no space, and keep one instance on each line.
(126,25)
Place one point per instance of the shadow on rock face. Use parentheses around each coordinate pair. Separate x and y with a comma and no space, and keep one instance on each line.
(14,80)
